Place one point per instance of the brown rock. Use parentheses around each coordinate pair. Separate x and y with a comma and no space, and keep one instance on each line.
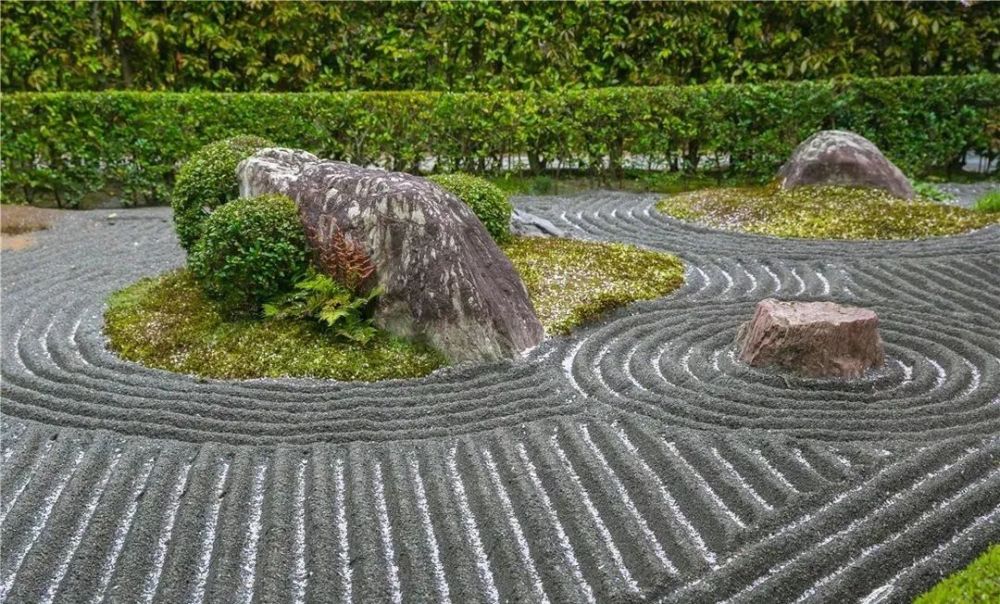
(838,157)
(816,339)
(443,278)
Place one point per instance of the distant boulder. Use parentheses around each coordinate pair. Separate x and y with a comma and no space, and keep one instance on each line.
(443,278)
(837,157)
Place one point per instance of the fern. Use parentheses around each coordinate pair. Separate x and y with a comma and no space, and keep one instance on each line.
(345,260)
(321,298)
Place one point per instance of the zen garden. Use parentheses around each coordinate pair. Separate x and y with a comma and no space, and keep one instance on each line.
(500,301)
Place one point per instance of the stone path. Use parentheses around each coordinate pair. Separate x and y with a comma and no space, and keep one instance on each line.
(633,460)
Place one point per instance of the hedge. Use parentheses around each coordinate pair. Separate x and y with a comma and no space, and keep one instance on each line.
(67,144)
(458,46)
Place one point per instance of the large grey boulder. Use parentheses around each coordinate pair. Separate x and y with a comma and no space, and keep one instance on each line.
(443,278)
(838,157)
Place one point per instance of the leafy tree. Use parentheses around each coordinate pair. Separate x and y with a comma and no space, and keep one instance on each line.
(310,46)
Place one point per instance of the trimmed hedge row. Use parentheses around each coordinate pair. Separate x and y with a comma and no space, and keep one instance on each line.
(68,144)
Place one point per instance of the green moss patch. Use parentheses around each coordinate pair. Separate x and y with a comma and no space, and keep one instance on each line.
(822,213)
(571,282)
(978,582)
(166,322)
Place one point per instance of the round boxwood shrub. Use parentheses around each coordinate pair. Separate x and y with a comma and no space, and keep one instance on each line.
(487,200)
(250,251)
(208,180)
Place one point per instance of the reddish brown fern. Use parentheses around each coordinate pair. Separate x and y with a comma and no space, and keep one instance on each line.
(345,260)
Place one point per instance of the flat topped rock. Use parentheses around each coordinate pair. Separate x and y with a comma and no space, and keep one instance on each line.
(842,158)
(816,339)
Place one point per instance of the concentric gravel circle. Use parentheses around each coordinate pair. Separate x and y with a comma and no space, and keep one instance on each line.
(677,363)
(58,370)
(673,359)
(634,460)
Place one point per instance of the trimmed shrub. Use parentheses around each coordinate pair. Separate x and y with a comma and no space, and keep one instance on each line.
(207,180)
(251,251)
(487,200)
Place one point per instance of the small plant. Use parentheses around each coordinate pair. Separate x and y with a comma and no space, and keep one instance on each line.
(206,181)
(251,251)
(989,203)
(930,191)
(322,298)
(487,201)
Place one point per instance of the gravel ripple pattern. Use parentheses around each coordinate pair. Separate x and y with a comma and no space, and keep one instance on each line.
(633,460)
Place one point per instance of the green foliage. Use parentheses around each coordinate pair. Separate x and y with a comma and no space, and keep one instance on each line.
(635,180)
(320,298)
(978,583)
(251,251)
(208,180)
(571,282)
(513,183)
(989,203)
(317,46)
(167,322)
(66,144)
(487,201)
(822,213)
(929,191)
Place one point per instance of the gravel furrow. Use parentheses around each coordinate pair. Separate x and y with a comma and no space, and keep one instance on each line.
(635,459)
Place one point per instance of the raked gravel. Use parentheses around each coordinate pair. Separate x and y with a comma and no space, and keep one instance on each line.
(634,460)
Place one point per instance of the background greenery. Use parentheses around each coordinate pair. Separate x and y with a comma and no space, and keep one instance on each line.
(488,202)
(312,46)
(70,144)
